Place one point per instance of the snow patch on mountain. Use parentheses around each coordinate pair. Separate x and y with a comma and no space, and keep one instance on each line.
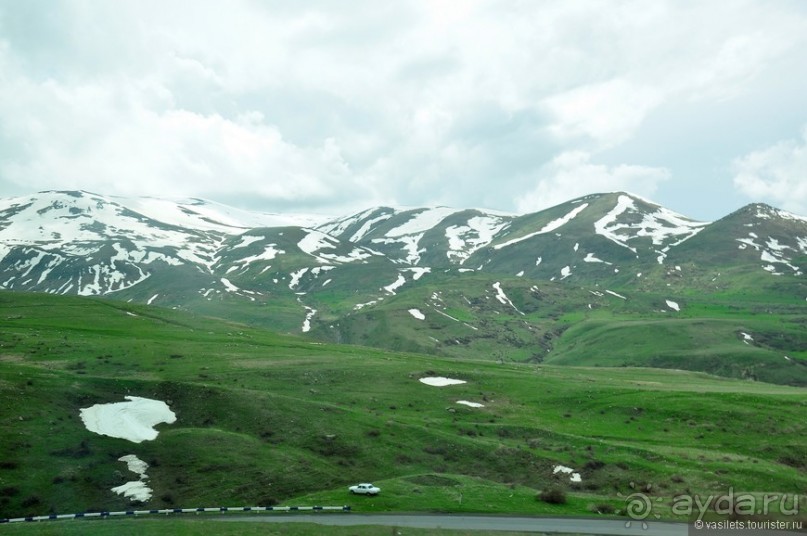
(660,226)
(418,271)
(502,297)
(776,253)
(309,314)
(590,257)
(133,420)
(295,277)
(464,240)
(548,228)
(368,226)
(410,246)
(398,283)
(247,240)
(421,221)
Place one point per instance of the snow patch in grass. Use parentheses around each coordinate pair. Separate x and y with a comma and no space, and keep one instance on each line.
(565,272)
(136,490)
(573,475)
(310,312)
(417,314)
(470,404)
(747,339)
(395,284)
(502,297)
(440,381)
(673,305)
(133,420)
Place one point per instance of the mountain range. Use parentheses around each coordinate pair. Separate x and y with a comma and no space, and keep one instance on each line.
(573,283)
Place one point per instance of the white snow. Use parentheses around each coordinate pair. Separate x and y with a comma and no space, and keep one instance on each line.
(247,240)
(417,314)
(134,464)
(133,420)
(339,226)
(367,226)
(150,300)
(470,404)
(440,381)
(565,272)
(612,293)
(747,339)
(418,271)
(422,221)
(548,228)
(409,245)
(269,253)
(136,490)
(310,312)
(520,274)
(315,241)
(229,287)
(360,306)
(464,240)
(661,226)
(673,305)
(573,476)
(295,277)
(502,297)
(591,258)
(396,284)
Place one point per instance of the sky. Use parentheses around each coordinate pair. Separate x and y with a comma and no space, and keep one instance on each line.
(331,107)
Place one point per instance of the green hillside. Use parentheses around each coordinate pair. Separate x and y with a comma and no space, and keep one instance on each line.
(272,419)
(593,325)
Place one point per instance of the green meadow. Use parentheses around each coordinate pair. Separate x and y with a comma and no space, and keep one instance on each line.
(268,419)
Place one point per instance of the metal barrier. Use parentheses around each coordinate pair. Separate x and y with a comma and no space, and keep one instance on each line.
(219,510)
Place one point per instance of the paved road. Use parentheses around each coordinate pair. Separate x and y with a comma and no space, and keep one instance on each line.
(471,522)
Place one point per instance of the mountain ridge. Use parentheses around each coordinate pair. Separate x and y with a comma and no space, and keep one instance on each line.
(454,282)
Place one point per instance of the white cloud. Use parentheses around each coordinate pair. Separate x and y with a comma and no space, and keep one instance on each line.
(407,102)
(149,150)
(571,175)
(608,112)
(776,174)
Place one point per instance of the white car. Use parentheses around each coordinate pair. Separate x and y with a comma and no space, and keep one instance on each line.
(364,489)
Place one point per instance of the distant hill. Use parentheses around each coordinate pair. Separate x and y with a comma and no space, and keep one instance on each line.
(606,279)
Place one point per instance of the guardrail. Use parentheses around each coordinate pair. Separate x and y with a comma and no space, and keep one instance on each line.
(219,510)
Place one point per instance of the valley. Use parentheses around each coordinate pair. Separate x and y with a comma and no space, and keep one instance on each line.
(267,419)
(461,360)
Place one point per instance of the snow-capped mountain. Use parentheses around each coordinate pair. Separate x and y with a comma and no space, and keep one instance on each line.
(181,253)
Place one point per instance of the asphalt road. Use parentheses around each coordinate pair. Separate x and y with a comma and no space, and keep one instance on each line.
(471,522)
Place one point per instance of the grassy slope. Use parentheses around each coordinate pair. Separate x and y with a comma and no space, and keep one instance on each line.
(264,418)
(567,324)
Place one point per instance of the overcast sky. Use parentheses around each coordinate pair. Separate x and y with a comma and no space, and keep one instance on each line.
(331,106)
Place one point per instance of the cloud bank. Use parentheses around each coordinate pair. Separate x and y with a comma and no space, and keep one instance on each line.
(328,107)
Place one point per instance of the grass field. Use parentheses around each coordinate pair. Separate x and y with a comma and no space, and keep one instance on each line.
(204,527)
(265,419)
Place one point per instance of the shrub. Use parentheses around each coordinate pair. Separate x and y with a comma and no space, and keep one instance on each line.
(553,495)
(603,508)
